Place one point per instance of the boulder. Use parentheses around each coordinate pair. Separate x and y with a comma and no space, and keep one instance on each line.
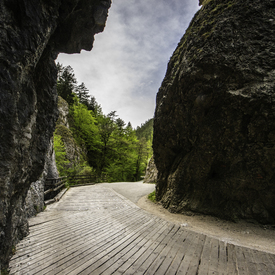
(214,127)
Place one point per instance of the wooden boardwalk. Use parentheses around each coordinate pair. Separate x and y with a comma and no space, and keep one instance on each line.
(93,230)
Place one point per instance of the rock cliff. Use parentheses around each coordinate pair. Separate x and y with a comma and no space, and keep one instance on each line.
(214,128)
(32,33)
(151,173)
(75,155)
(34,202)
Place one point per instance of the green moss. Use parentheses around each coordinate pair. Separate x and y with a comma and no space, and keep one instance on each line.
(13,250)
(65,133)
(152,196)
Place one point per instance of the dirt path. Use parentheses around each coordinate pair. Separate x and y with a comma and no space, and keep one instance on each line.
(241,233)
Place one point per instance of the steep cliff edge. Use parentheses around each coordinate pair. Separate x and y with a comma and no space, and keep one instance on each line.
(32,33)
(214,128)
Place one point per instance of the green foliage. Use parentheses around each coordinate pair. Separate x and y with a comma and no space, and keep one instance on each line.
(87,170)
(145,130)
(66,83)
(152,196)
(111,147)
(84,127)
(60,155)
(70,91)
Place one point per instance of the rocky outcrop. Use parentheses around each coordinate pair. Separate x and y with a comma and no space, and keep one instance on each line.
(214,128)
(74,153)
(34,202)
(32,34)
(151,173)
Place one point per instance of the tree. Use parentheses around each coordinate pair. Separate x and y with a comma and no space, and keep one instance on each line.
(94,106)
(60,155)
(66,83)
(82,93)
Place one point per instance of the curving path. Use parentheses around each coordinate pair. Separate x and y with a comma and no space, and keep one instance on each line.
(95,230)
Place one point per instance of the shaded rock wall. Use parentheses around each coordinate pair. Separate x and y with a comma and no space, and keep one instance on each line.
(214,128)
(34,202)
(32,33)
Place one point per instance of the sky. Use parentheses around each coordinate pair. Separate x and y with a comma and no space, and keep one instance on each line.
(129,59)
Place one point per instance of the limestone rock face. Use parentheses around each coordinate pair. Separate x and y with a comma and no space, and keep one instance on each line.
(34,202)
(74,153)
(151,174)
(30,40)
(50,164)
(214,128)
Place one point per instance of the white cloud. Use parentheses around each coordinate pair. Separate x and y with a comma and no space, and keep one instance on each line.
(129,59)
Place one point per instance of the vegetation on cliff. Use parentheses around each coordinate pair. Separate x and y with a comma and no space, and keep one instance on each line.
(108,147)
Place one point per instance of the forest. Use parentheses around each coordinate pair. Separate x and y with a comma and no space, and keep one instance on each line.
(109,148)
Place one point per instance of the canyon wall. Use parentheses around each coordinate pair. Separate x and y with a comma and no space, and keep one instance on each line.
(214,128)
(32,34)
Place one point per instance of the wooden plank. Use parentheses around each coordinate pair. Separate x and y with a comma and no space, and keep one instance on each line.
(130,252)
(222,265)
(163,254)
(251,266)
(165,226)
(83,265)
(205,257)
(82,240)
(195,261)
(92,230)
(241,261)
(170,258)
(261,268)
(48,239)
(271,258)
(145,265)
(142,261)
(109,260)
(185,246)
(214,256)
(59,237)
(264,263)
(191,253)
(231,260)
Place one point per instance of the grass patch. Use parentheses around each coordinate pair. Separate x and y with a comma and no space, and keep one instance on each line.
(152,196)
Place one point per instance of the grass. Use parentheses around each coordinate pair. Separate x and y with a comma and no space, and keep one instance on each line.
(152,196)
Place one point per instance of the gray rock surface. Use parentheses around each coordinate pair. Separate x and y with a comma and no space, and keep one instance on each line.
(34,202)
(32,33)
(214,128)
(74,153)
(151,173)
